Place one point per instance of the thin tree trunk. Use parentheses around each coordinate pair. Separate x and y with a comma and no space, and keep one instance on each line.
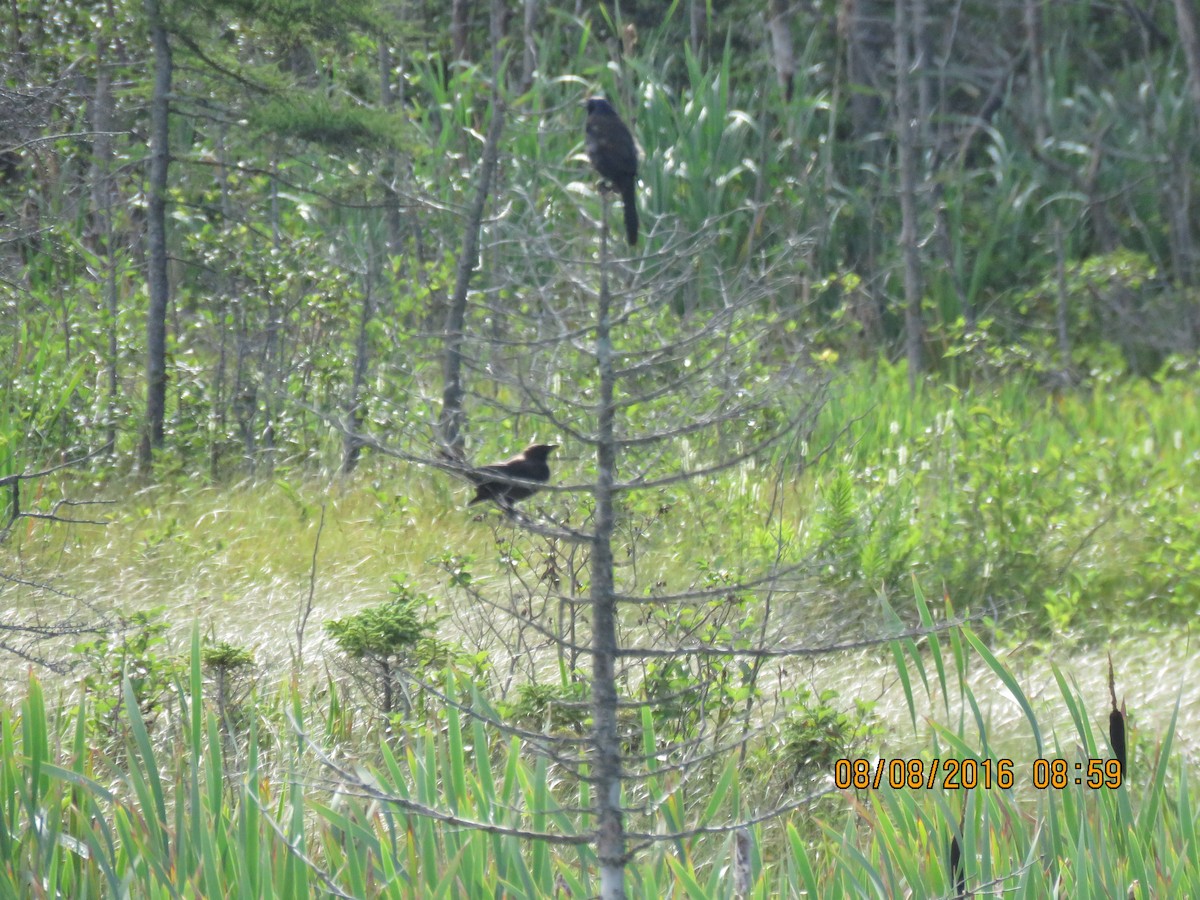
(864,26)
(452,419)
(458,27)
(922,45)
(218,416)
(1037,78)
(929,136)
(219,402)
(913,327)
(271,361)
(1178,202)
(606,740)
(104,231)
(1060,307)
(390,169)
(697,25)
(1189,37)
(245,388)
(779,24)
(355,408)
(159,288)
(529,56)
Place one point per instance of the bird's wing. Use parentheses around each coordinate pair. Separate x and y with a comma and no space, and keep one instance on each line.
(497,470)
(612,143)
(484,473)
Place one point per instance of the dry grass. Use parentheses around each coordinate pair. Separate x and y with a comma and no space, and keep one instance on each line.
(239,560)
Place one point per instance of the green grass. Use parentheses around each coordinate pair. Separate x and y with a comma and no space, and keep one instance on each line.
(201,799)
(1070,510)
(183,806)
(1066,513)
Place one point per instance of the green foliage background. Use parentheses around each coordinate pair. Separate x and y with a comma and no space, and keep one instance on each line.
(1039,473)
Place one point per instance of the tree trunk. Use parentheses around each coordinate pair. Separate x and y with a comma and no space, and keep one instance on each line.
(1189,37)
(1060,306)
(863,24)
(156,229)
(354,407)
(606,741)
(922,45)
(697,25)
(103,229)
(270,364)
(459,10)
(1037,77)
(913,326)
(220,401)
(452,418)
(390,169)
(1178,201)
(528,32)
(779,24)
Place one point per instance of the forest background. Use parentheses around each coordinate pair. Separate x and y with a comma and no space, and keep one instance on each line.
(914,315)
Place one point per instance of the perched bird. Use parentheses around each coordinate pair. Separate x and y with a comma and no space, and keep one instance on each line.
(610,148)
(528,465)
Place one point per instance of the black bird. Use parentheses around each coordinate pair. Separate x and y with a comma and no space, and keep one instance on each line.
(611,150)
(528,465)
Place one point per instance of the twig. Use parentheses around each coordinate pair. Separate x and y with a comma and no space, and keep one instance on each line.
(306,609)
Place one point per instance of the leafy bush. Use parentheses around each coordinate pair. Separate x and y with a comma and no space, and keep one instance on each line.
(817,733)
(551,707)
(136,652)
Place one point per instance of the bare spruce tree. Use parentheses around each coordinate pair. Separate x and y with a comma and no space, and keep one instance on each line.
(675,390)
(655,410)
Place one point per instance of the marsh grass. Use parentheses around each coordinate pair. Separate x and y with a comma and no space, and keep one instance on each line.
(200,799)
(1056,514)
(175,809)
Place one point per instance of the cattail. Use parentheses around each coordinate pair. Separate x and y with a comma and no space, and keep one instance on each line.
(1116,721)
(958,874)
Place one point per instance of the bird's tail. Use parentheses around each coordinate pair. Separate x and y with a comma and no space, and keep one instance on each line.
(629,203)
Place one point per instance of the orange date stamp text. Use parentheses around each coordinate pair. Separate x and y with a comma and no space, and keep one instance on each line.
(973,774)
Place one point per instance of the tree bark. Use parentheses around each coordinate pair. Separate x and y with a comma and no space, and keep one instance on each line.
(1179,203)
(863,24)
(220,400)
(459,12)
(606,740)
(355,408)
(452,418)
(103,229)
(529,44)
(1037,77)
(1060,306)
(913,326)
(390,169)
(1189,37)
(156,232)
(779,24)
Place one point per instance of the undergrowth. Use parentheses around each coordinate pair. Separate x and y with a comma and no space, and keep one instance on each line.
(1046,511)
(259,805)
